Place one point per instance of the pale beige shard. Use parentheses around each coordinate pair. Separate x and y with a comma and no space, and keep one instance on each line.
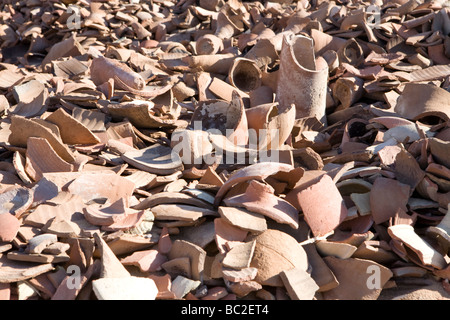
(424,251)
(157,159)
(182,286)
(91,119)
(244,219)
(72,131)
(142,179)
(180,212)
(196,254)
(240,256)
(276,251)
(131,288)
(22,128)
(335,249)
(299,284)
(244,274)
(41,158)
(362,202)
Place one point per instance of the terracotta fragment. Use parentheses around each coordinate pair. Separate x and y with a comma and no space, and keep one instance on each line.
(155,159)
(320,206)
(22,129)
(347,289)
(299,68)
(72,131)
(16,201)
(244,219)
(299,284)
(42,158)
(260,198)
(147,261)
(288,254)
(181,248)
(9,227)
(225,233)
(386,197)
(245,274)
(423,100)
(98,185)
(239,256)
(427,255)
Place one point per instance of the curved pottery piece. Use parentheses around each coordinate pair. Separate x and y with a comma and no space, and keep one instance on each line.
(301,81)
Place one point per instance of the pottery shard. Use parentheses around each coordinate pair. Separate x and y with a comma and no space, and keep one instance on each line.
(426,253)
(196,254)
(131,288)
(299,284)
(180,212)
(257,171)
(157,159)
(239,256)
(147,261)
(276,251)
(99,185)
(72,131)
(42,158)
(111,266)
(260,198)
(14,271)
(9,226)
(16,201)
(225,232)
(38,243)
(386,197)
(244,274)
(22,128)
(356,279)
(244,219)
(421,100)
(323,206)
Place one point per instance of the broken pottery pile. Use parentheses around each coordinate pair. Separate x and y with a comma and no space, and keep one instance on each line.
(136,145)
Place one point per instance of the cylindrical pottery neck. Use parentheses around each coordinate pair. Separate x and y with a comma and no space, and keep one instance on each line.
(299,82)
